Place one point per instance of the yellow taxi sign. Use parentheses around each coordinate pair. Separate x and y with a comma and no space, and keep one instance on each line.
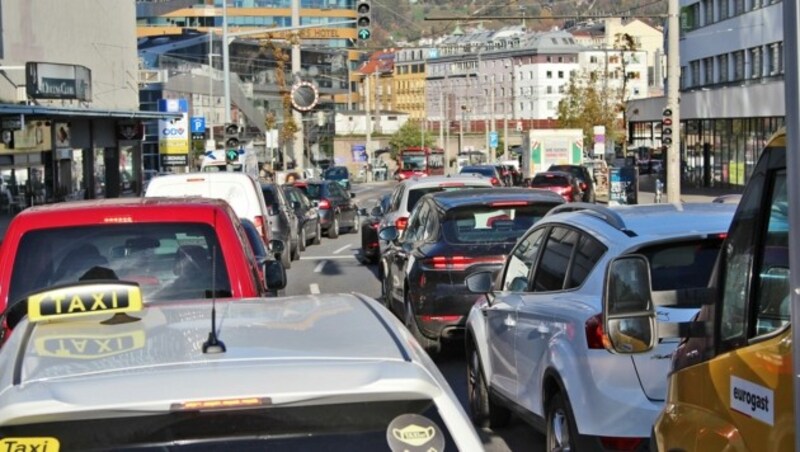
(42,444)
(85,299)
(88,346)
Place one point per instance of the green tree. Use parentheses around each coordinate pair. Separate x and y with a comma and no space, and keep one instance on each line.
(409,135)
(585,105)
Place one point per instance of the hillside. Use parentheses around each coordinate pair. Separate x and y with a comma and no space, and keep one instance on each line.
(397,21)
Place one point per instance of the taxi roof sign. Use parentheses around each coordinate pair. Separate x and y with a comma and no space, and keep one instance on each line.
(81,300)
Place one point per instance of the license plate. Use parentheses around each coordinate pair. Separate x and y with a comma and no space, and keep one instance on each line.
(41,444)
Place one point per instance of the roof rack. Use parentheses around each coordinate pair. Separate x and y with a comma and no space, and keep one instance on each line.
(602,212)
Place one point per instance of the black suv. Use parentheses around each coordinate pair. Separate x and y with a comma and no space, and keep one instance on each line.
(585,179)
(335,205)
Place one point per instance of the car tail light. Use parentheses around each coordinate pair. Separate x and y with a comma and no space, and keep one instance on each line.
(583,185)
(401,223)
(258,221)
(595,336)
(508,203)
(495,181)
(459,262)
(324,204)
(451,184)
(439,318)
(612,443)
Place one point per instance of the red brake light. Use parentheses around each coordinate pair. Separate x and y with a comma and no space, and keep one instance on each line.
(440,318)
(324,204)
(451,184)
(459,262)
(258,221)
(401,223)
(495,181)
(508,203)
(583,185)
(595,336)
(722,236)
(611,443)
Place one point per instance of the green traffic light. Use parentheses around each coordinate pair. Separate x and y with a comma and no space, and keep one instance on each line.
(364,34)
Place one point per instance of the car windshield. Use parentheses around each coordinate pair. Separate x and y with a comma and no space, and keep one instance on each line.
(684,265)
(313,191)
(372,426)
(549,180)
(414,195)
(170,261)
(485,170)
(336,173)
(414,162)
(488,224)
(270,198)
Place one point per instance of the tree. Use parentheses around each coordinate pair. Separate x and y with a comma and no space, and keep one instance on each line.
(407,136)
(585,105)
(625,43)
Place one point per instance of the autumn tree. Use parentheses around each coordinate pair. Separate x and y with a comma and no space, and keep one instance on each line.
(409,135)
(585,105)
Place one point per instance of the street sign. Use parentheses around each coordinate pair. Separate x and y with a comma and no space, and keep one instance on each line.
(198,124)
(493,139)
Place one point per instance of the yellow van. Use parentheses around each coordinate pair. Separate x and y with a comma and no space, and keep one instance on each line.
(731,384)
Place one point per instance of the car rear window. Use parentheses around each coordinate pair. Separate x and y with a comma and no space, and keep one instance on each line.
(308,427)
(170,261)
(487,224)
(269,195)
(313,191)
(336,174)
(482,171)
(683,265)
(415,194)
(549,180)
(576,171)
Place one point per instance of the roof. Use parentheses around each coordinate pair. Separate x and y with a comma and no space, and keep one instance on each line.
(482,196)
(381,61)
(123,203)
(293,348)
(433,181)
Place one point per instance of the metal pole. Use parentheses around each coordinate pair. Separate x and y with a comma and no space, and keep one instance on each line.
(491,112)
(368,115)
(791,51)
(210,83)
(673,102)
(297,142)
(441,121)
(226,62)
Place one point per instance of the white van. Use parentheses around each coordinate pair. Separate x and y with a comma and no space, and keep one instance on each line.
(241,191)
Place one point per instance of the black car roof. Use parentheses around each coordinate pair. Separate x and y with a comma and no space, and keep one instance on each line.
(480,196)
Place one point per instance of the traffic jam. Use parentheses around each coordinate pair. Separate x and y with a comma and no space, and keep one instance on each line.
(167,321)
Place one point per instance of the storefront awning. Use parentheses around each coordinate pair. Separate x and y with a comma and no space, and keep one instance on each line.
(39,110)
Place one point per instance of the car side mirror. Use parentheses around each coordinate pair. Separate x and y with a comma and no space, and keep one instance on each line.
(628,308)
(376,211)
(295,204)
(315,203)
(274,275)
(389,234)
(362,212)
(352,195)
(481,283)
(276,246)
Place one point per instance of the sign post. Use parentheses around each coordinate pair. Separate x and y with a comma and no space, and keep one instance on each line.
(173,134)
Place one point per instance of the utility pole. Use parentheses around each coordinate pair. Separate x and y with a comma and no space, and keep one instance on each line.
(441,122)
(492,125)
(226,62)
(673,103)
(368,116)
(210,83)
(297,142)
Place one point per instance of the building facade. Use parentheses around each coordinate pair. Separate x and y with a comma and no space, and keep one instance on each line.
(409,82)
(732,90)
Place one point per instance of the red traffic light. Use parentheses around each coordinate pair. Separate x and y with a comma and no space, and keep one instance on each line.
(666,121)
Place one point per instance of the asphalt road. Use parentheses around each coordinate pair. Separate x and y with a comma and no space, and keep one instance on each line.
(335,266)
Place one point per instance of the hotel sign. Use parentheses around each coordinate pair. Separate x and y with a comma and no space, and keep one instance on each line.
(58,81)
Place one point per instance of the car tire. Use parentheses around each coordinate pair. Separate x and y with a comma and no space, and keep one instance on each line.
(302,242)
(560,430)
(429,345)
(295,256)
(356,225)
(286,259)
(318,235)
(483,412)
(386,291)
(333,229)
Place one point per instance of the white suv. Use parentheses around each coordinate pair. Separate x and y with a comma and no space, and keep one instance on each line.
(536,346)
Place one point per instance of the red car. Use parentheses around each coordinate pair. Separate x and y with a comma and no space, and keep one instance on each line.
(174,248)
(565,184)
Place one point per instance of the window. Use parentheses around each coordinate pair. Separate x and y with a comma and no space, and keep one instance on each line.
(722,64)
(723,9)
(708,10)
(560,74)
(416,224)
(586,256)
(738,65)
(694,68)
(755,62)
(476,224)
(549,74)
(775,58)
(738,7)
(549,90)
(551,272)
(772,280)
(521,261)
(708,71)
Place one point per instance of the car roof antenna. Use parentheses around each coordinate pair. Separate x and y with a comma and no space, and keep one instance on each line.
(213,344)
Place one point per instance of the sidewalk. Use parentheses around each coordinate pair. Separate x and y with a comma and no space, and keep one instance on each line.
(688,194)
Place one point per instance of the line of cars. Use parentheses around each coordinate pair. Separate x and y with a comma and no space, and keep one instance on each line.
(520,276)
(142,323)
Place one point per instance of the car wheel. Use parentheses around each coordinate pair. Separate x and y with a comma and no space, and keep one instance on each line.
(356,225)
(386,292)
(429,345)
(317,235)
(296,250)
(302,242)
(561,431)
(333,229)
(483,412)
(286,259)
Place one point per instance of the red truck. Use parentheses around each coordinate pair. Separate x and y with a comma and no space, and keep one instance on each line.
(421,162)
(174,248)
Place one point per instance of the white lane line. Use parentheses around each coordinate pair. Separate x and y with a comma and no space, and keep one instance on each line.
(320,266)
(342,249)
(314,288)
(317,258)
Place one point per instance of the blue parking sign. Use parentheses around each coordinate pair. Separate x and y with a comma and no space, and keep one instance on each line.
(493,139)
(198,124)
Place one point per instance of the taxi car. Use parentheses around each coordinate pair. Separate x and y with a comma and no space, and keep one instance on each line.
(100,367)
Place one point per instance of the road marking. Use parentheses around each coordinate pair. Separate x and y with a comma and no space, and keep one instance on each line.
(317,258)
(314,288)
(342,249)
(320,266)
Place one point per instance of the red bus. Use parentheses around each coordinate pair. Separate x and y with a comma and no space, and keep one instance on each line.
(420,161)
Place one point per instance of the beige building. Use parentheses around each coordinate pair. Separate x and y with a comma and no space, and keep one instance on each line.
(409,82)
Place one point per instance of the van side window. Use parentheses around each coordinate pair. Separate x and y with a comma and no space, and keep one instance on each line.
(772,278)
(521,261)
(552,269)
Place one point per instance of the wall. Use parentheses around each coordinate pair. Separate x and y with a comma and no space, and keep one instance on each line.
(98,34)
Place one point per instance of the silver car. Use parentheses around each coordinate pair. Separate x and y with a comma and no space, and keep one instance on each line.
(536,345)
(94,366)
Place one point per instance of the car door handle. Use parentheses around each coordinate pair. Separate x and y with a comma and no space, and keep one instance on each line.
(510,322)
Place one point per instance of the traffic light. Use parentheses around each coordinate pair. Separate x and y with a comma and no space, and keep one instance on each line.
(667,127)
(364,21)
(232,142)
